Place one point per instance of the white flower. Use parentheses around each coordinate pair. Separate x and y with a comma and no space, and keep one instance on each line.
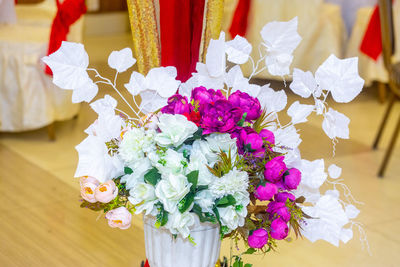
(172,189)
(205,200)
(203,147)
(232,217)
(144,195)
(336,124)
(139,168)
(229,184)
(180,223)
(130,148)
(173,162)
(199,162)
(175,129)
(95,161)
(222,142)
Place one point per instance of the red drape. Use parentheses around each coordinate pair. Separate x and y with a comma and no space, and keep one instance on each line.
(240,19)
(67,13)
(181,23)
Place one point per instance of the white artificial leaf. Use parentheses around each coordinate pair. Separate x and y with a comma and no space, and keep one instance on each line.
(273,101)
(303,83)
(162,80)
(234,79)
(286,137)
(151,101)
(336,124)
(234,75)
(280,40)
(107,126)
(319,106)
(346,235)
(215,57)
(121,60)
(203,78)
(351,211)
(334,193)
(85,92)
(313,173)
(340,77)
(238,50)
(334,171)
(185,89)
(107,105)
(137,83)
(95,161)
(299,112)
(69,64)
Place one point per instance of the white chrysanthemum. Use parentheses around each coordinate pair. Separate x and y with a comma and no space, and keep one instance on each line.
(172,189)
(133,144)
(144,195)
(205,200)
(180,223)
(229,184)
(175,129)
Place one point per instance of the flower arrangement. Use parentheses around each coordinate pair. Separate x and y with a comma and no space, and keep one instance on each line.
(213,148)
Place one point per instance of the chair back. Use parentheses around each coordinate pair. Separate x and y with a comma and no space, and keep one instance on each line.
(387,31)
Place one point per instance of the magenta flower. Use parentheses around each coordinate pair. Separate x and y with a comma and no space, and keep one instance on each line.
(278,210)
(248,104)
(268,136)
(202,96)
(266,192)
(248,141)
(177,104)
(279,229)
(220,117)
(274,169)
(258,238)
(284,196)
(292,178)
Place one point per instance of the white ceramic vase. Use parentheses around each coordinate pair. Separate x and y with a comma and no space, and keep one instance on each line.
(163,250)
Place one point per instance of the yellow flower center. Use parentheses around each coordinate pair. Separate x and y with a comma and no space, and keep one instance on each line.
(88,191)
(103,188)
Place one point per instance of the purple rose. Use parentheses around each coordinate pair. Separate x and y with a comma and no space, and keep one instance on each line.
(278,210)
(292,178)
(202,96)
(266,192)
(220,117)
(177,104)
(258,238)
(268,136)
(274,169)
(248,104)
(284,196)
(279,229)
(249,141)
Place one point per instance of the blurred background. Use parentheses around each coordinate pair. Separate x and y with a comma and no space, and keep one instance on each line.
(41,223)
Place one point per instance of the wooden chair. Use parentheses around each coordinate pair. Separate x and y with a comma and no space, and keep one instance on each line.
(388,40)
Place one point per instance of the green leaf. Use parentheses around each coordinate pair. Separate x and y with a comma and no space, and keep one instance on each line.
(128,170)
(162,217)
(226,201)
(248,265)
(241,122)
(197,135)
(152,177)
(192,178)
(186,202)
(204,217)
(201,188)
(247,147)
(250,251)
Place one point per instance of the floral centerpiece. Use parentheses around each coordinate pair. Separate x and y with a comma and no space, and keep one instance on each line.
(213,149)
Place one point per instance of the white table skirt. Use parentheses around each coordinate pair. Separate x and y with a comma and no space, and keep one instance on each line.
(28,98)
(320,25)
(371,70)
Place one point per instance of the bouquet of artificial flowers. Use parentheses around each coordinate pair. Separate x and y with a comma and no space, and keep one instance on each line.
(214,147)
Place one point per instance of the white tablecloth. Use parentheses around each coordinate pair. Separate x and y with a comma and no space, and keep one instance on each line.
(28,98)
(320,25)
(371,70)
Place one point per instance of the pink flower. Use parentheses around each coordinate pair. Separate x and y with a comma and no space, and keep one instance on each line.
(258,238)
(250,105)
(119,217)
(177,104)
(292,178)
(284,196)
(278,209)
(106,192)
(88,187)
(279,229)
(220,117)
(266,192)
(268,136)
(274,169)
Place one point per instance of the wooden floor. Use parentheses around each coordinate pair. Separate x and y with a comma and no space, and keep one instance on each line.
(41,223)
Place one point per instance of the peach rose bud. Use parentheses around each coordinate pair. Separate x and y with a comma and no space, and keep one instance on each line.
(88,187)
(119,217)
(106,192)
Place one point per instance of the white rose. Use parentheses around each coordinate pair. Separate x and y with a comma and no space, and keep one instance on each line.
(224,142)
(139,168)
(172,189)
(143,193)
(202,147)
(231,218)
(130,148)
(199,162)
(173,162)
(230,184)
(205,200)
(179,223)
(175,129)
